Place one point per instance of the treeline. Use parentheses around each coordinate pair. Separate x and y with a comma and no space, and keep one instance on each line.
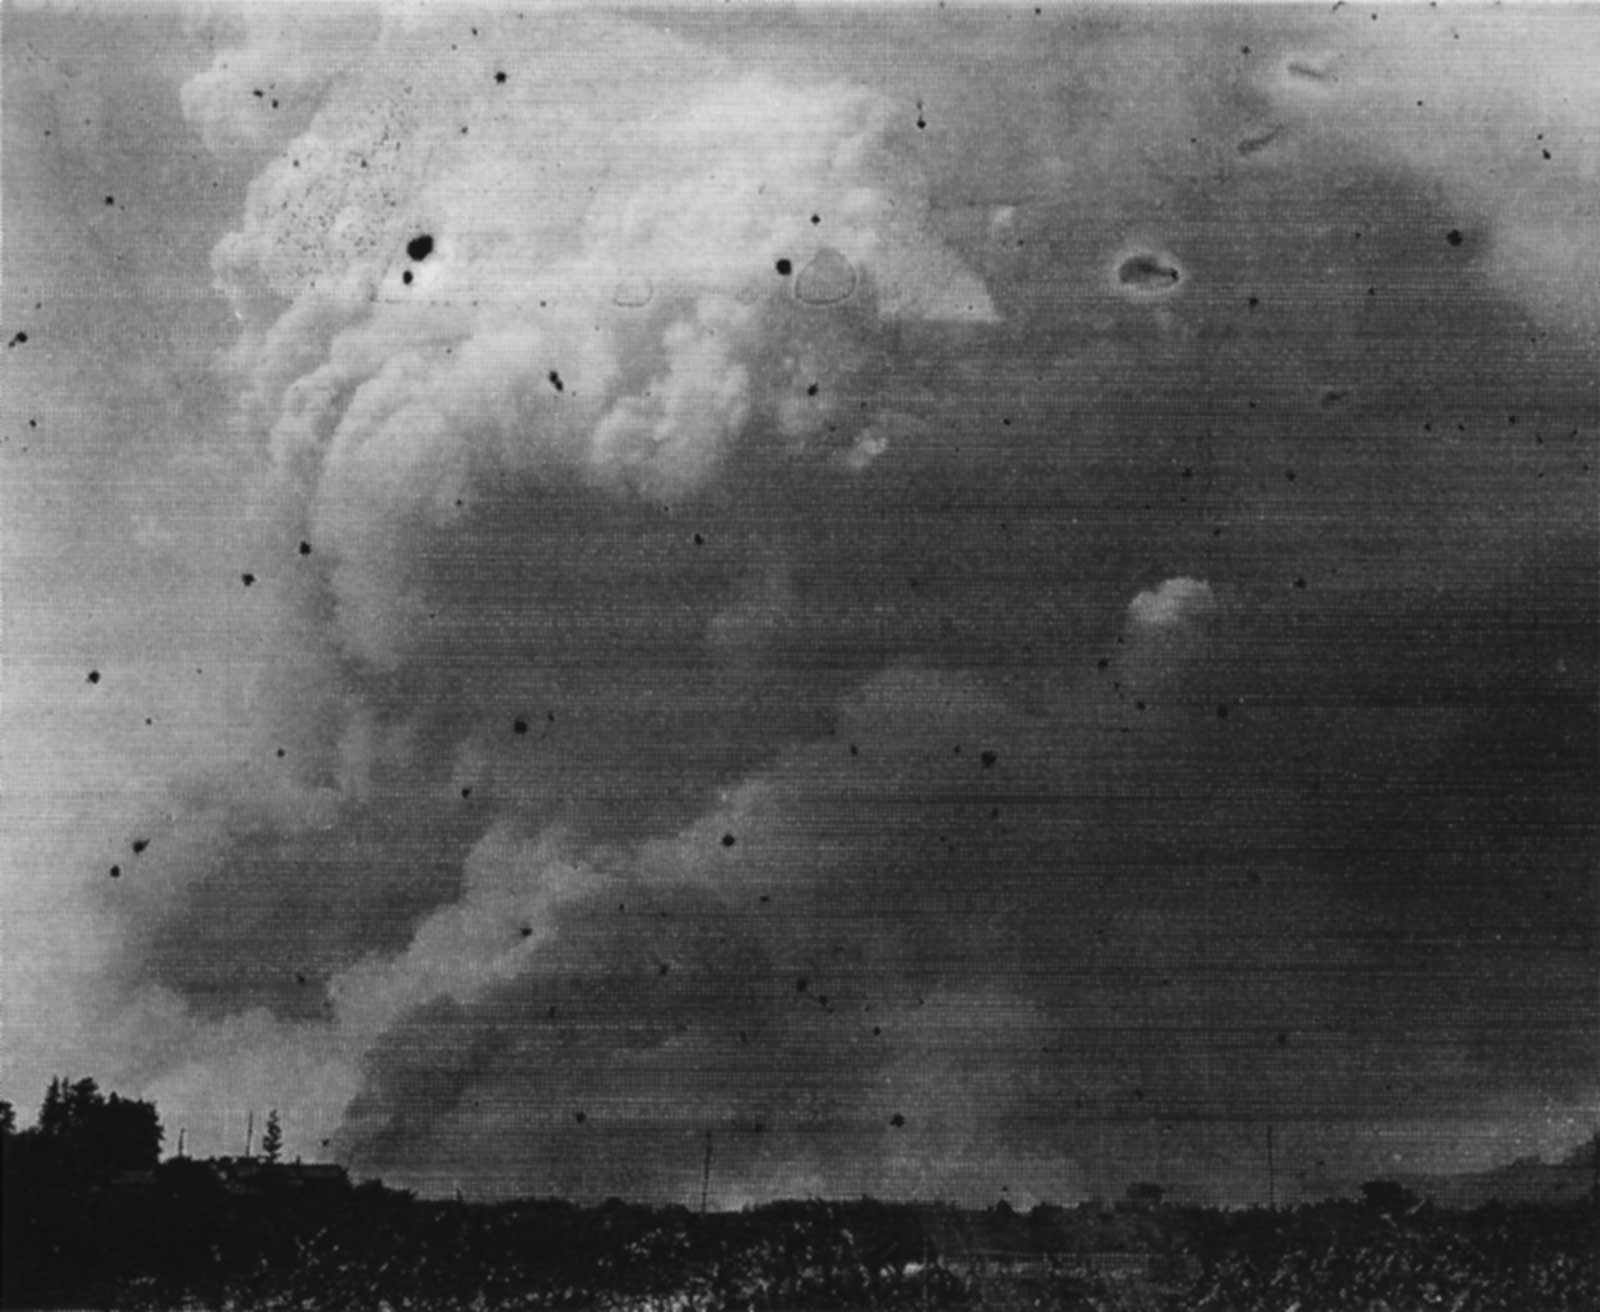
(57,1174)
(92,1218)
(82,1135)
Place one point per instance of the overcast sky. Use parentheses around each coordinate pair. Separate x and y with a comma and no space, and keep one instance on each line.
(982,604)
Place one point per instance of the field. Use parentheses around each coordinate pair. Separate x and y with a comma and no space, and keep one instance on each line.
(370,1248)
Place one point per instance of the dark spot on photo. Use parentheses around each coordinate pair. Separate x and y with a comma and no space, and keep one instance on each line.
(305,548)
(500,77)
(406,277)
(1454,237)
(20,339)
(1308,71)
(1222,711)
(580,1117)
(1300,582)
(247,579)
(784,268)
(1148,273)
(555,381)
(802,984)
(897,1120)
(116,872)
(988,759)
(94,676)
(519,726)
(1256,142)
(139,845)
(420,247)
(728,840)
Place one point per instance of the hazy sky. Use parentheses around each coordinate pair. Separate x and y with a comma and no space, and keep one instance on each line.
(981,603)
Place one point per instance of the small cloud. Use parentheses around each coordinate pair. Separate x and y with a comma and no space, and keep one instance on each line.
(1172,602)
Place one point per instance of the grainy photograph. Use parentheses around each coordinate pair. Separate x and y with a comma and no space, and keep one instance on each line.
(797,658)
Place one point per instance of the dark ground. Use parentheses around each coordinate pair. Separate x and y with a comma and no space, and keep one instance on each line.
(180,1236)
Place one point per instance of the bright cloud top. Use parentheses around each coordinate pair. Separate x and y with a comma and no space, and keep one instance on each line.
(493,272)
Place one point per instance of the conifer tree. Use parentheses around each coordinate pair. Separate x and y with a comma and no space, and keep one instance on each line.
(272,1140)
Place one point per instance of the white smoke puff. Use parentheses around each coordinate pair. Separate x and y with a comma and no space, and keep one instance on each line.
(889,430)
(667,440)
(1173,602)
(515,886)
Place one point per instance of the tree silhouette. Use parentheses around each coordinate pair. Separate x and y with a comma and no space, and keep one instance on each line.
(272,1140)
(91,1134)
(53,1111)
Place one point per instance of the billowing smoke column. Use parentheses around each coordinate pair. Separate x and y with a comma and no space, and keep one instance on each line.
(721,675)
(532,365)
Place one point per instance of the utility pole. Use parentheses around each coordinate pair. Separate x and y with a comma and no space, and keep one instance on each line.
(1272,1182)
(1594,1179)
(705,1177)
(182,1130)
(249,1131)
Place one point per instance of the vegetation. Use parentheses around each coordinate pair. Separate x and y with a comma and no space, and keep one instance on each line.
(91,1219)
(272,1140)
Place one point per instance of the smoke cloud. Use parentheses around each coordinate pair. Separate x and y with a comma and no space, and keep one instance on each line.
(942,643)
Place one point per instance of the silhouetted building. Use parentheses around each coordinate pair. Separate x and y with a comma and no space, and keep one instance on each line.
(254,1177)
